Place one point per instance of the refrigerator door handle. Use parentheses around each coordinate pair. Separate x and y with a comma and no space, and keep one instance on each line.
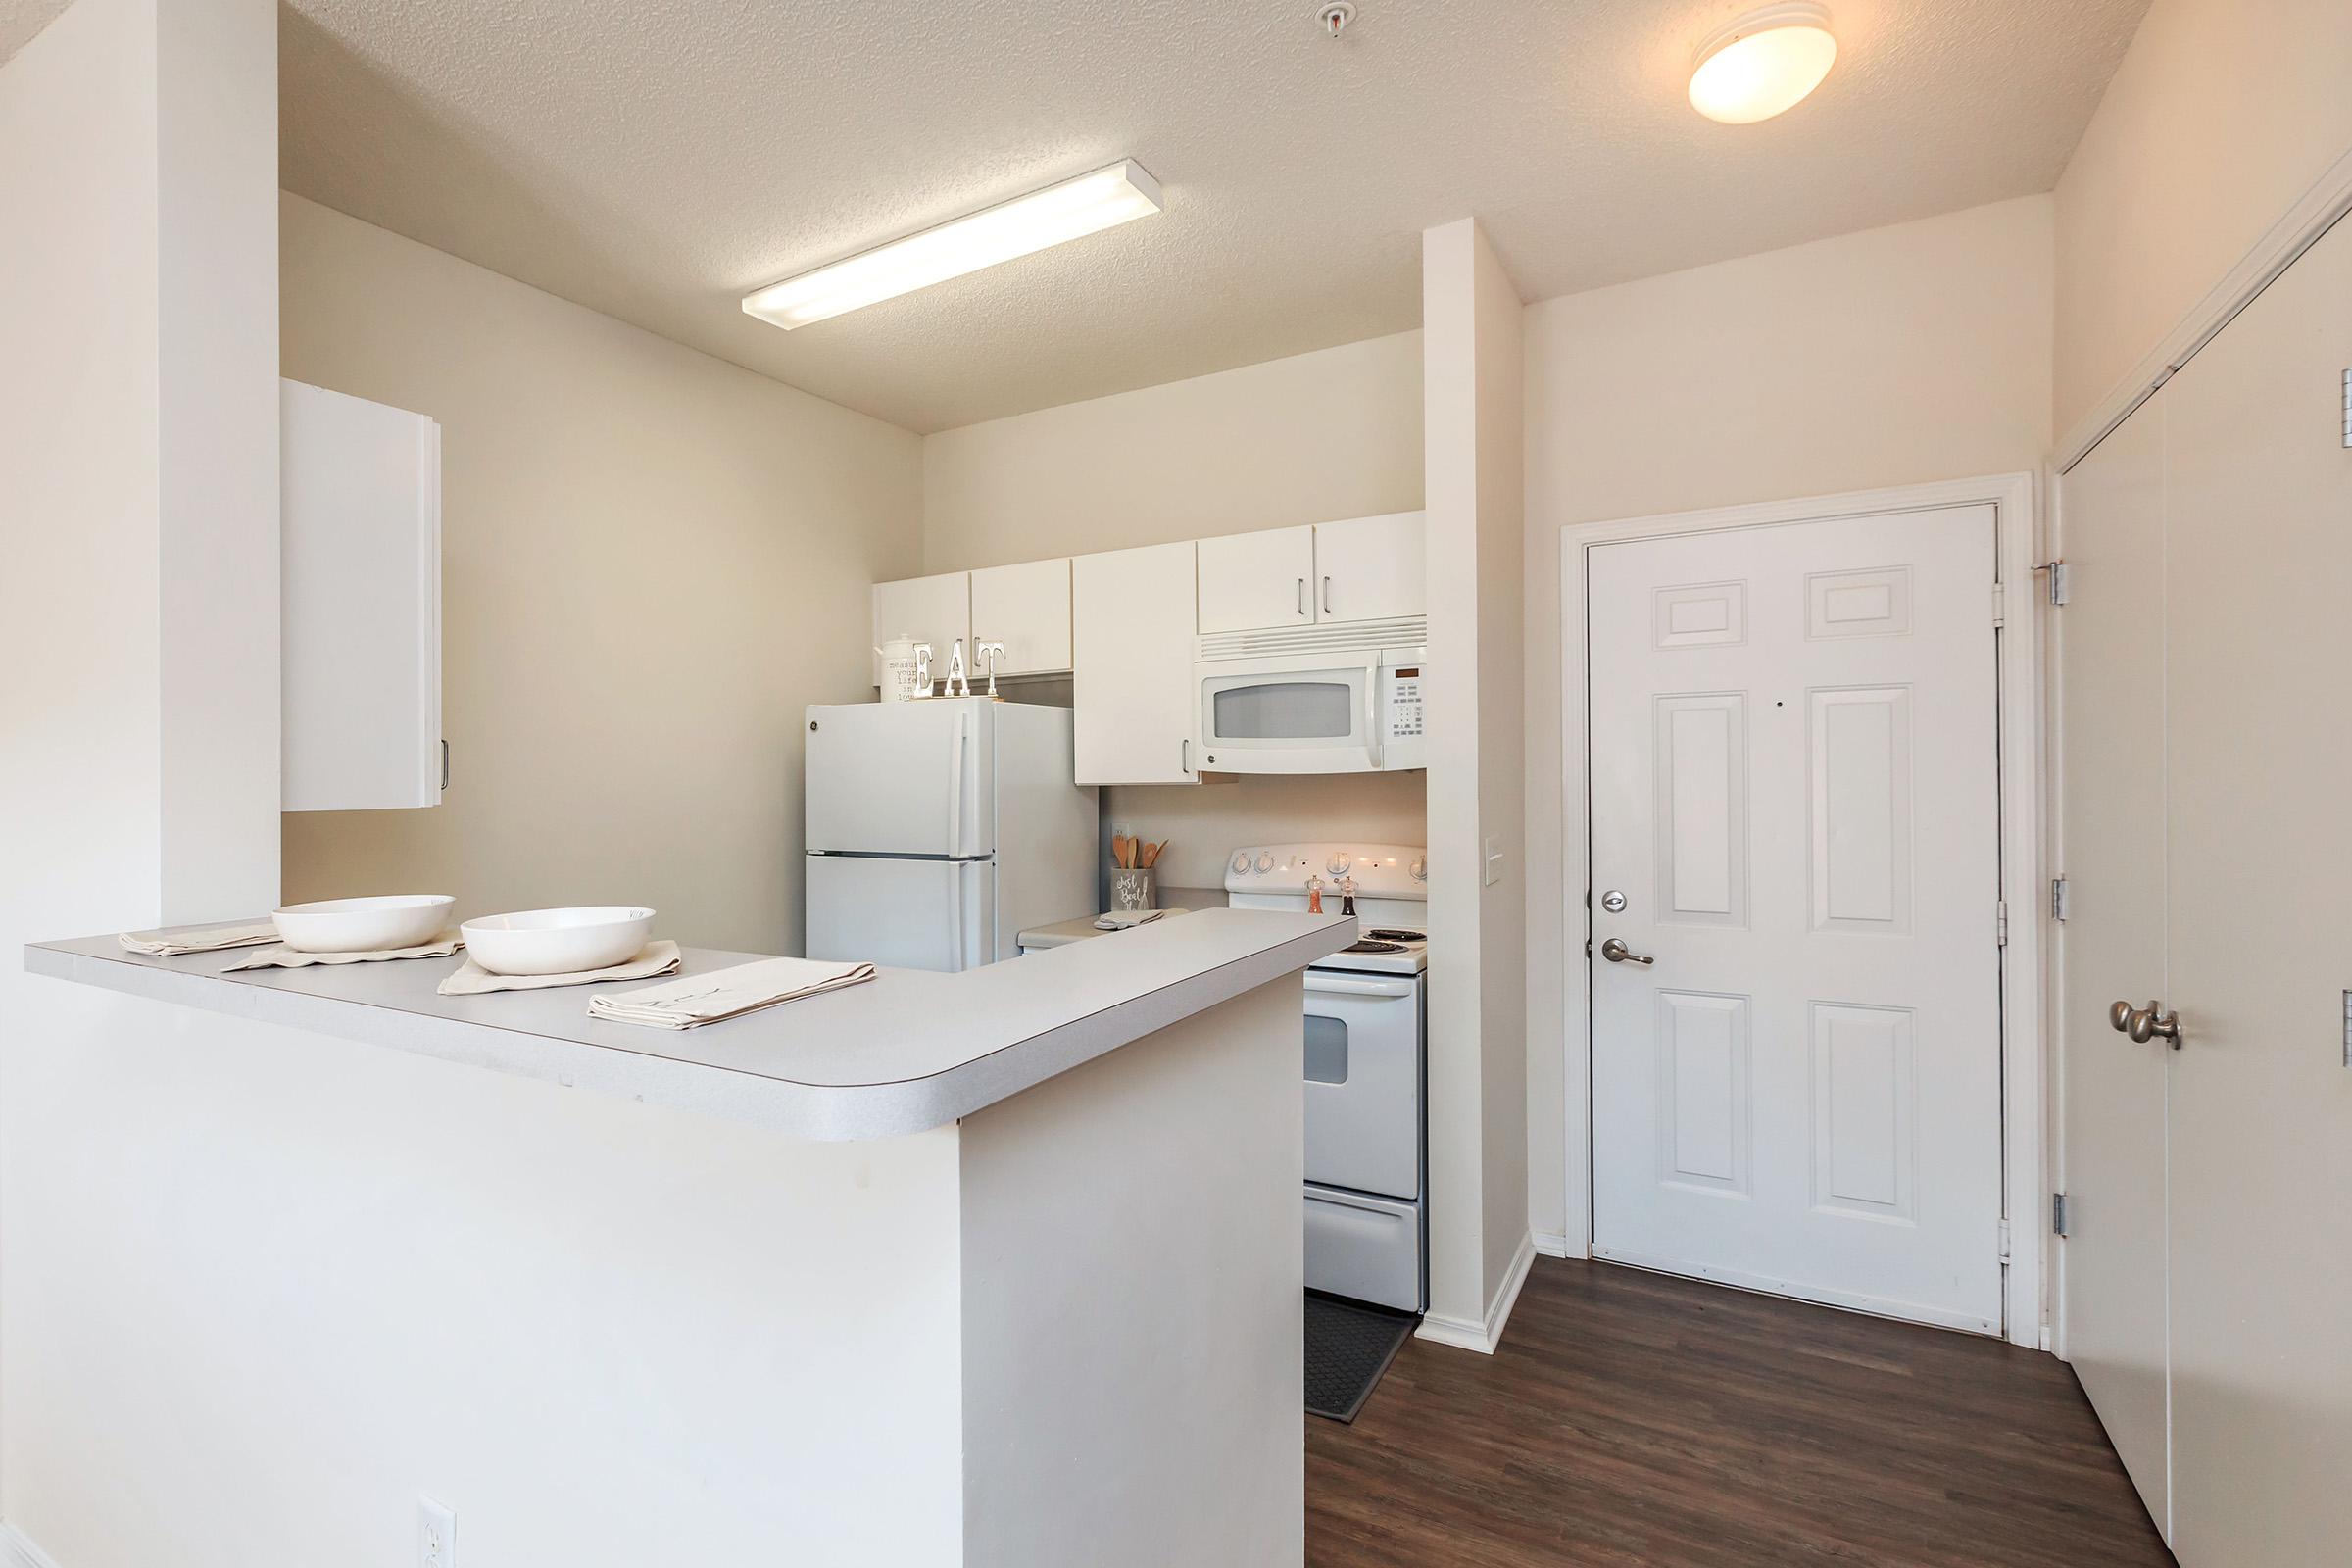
(955,788)
(955,870)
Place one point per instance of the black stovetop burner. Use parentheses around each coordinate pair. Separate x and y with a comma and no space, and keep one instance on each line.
(1369,945)
(1381,934)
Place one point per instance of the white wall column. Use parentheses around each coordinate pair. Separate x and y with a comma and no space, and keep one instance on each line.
(1474,439)
(138,655)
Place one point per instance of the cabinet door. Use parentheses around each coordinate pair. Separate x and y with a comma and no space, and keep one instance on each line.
(2256,753)
(1131,674)
(930,610)
(1027,609)
(1250,581)
(1371,568)
(359,618)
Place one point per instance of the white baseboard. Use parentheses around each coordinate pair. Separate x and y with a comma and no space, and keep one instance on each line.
(1482,1337)
(16,1550)
(1551,1243)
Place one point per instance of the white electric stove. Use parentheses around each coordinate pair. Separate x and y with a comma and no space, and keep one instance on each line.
(1365,1060)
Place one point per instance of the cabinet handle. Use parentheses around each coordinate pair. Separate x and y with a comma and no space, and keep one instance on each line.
(1185,756)
(1327,595)
(445,765)
(1302,597)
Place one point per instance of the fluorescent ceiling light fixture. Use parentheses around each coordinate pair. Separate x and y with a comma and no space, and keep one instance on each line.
(1071,210)
(1763,63)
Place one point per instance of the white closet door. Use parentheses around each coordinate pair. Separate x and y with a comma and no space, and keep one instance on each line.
(2258,611)
(2110,729)
(1795,788)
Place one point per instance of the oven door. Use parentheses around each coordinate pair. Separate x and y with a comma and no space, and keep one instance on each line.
(1363,1083)
(1296,714)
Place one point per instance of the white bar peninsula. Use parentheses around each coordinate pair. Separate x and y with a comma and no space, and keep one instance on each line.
(995,1268)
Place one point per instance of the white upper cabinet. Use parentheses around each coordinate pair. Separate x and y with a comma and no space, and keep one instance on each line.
(1367,568)
(1250,581)
(930,610)
(1027,609)
(1371,568)
(360,606)
(1132,682)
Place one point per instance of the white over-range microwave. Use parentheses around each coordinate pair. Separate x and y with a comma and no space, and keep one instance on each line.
(1344,698)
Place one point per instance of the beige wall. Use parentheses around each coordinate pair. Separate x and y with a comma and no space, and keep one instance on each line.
(1472,318)
(139,685)
(1336,433)
(650,561)
(1891,357)
(2221,115)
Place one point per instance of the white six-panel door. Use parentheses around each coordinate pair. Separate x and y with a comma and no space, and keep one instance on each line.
(1795,792)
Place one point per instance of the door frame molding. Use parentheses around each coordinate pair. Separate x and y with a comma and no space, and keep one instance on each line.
(2025,1187)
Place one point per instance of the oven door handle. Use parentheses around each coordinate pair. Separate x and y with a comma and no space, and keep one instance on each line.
(1339,985)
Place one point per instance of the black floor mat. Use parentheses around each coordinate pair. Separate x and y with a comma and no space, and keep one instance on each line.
(1348,1345)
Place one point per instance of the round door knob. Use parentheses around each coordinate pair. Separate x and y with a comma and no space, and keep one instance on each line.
(2119,1017)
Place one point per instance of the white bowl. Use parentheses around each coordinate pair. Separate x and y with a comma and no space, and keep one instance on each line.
(559,941)
(363,925)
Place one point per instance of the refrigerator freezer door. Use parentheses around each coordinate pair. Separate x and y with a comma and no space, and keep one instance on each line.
(902,778)
(904,914)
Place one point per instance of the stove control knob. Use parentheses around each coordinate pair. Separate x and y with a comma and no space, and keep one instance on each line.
(1420,868)
(1266,862)
(1240,865)
(1339,863)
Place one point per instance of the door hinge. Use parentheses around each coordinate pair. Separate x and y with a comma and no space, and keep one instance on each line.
(2004,1240)
(2000,604)
(2003,921)
(2058,585)
(2058,1214)
(2057,898)
(2348,408)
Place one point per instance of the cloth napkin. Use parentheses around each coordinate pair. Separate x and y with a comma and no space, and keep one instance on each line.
(726,993)
(471,979)
(441,946)
(1123,919)
(170,945)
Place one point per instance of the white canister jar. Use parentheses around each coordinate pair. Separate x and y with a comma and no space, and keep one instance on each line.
(897,669)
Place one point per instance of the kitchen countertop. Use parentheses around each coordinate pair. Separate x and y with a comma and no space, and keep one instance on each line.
(909,1052)
(1083,929)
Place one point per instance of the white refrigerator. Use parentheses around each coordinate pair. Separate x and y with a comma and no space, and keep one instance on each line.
(939,830)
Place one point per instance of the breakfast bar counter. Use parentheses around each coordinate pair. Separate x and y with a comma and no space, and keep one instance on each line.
(996,1269)
(908,1052)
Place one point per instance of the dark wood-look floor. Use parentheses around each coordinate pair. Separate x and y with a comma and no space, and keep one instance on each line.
(1633,1418)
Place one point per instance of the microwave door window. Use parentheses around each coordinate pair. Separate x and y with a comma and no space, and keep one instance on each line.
(1286,710)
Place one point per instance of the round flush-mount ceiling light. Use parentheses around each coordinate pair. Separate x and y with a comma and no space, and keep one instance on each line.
(1762,63)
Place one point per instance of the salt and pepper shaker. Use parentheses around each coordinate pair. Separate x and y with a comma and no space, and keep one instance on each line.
(1314,894)
(1347,896)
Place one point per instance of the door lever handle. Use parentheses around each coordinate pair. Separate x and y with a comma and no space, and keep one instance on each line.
(1616,952)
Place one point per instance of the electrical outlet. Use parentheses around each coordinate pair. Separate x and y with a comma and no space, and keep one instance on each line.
(436,1535)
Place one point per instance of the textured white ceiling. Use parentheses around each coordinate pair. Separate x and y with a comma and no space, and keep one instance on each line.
(19,19)
(657,159)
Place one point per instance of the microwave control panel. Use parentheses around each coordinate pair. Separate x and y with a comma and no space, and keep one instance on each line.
(1404,704)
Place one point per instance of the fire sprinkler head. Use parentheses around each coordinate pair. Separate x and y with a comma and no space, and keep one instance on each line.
(1335,15)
